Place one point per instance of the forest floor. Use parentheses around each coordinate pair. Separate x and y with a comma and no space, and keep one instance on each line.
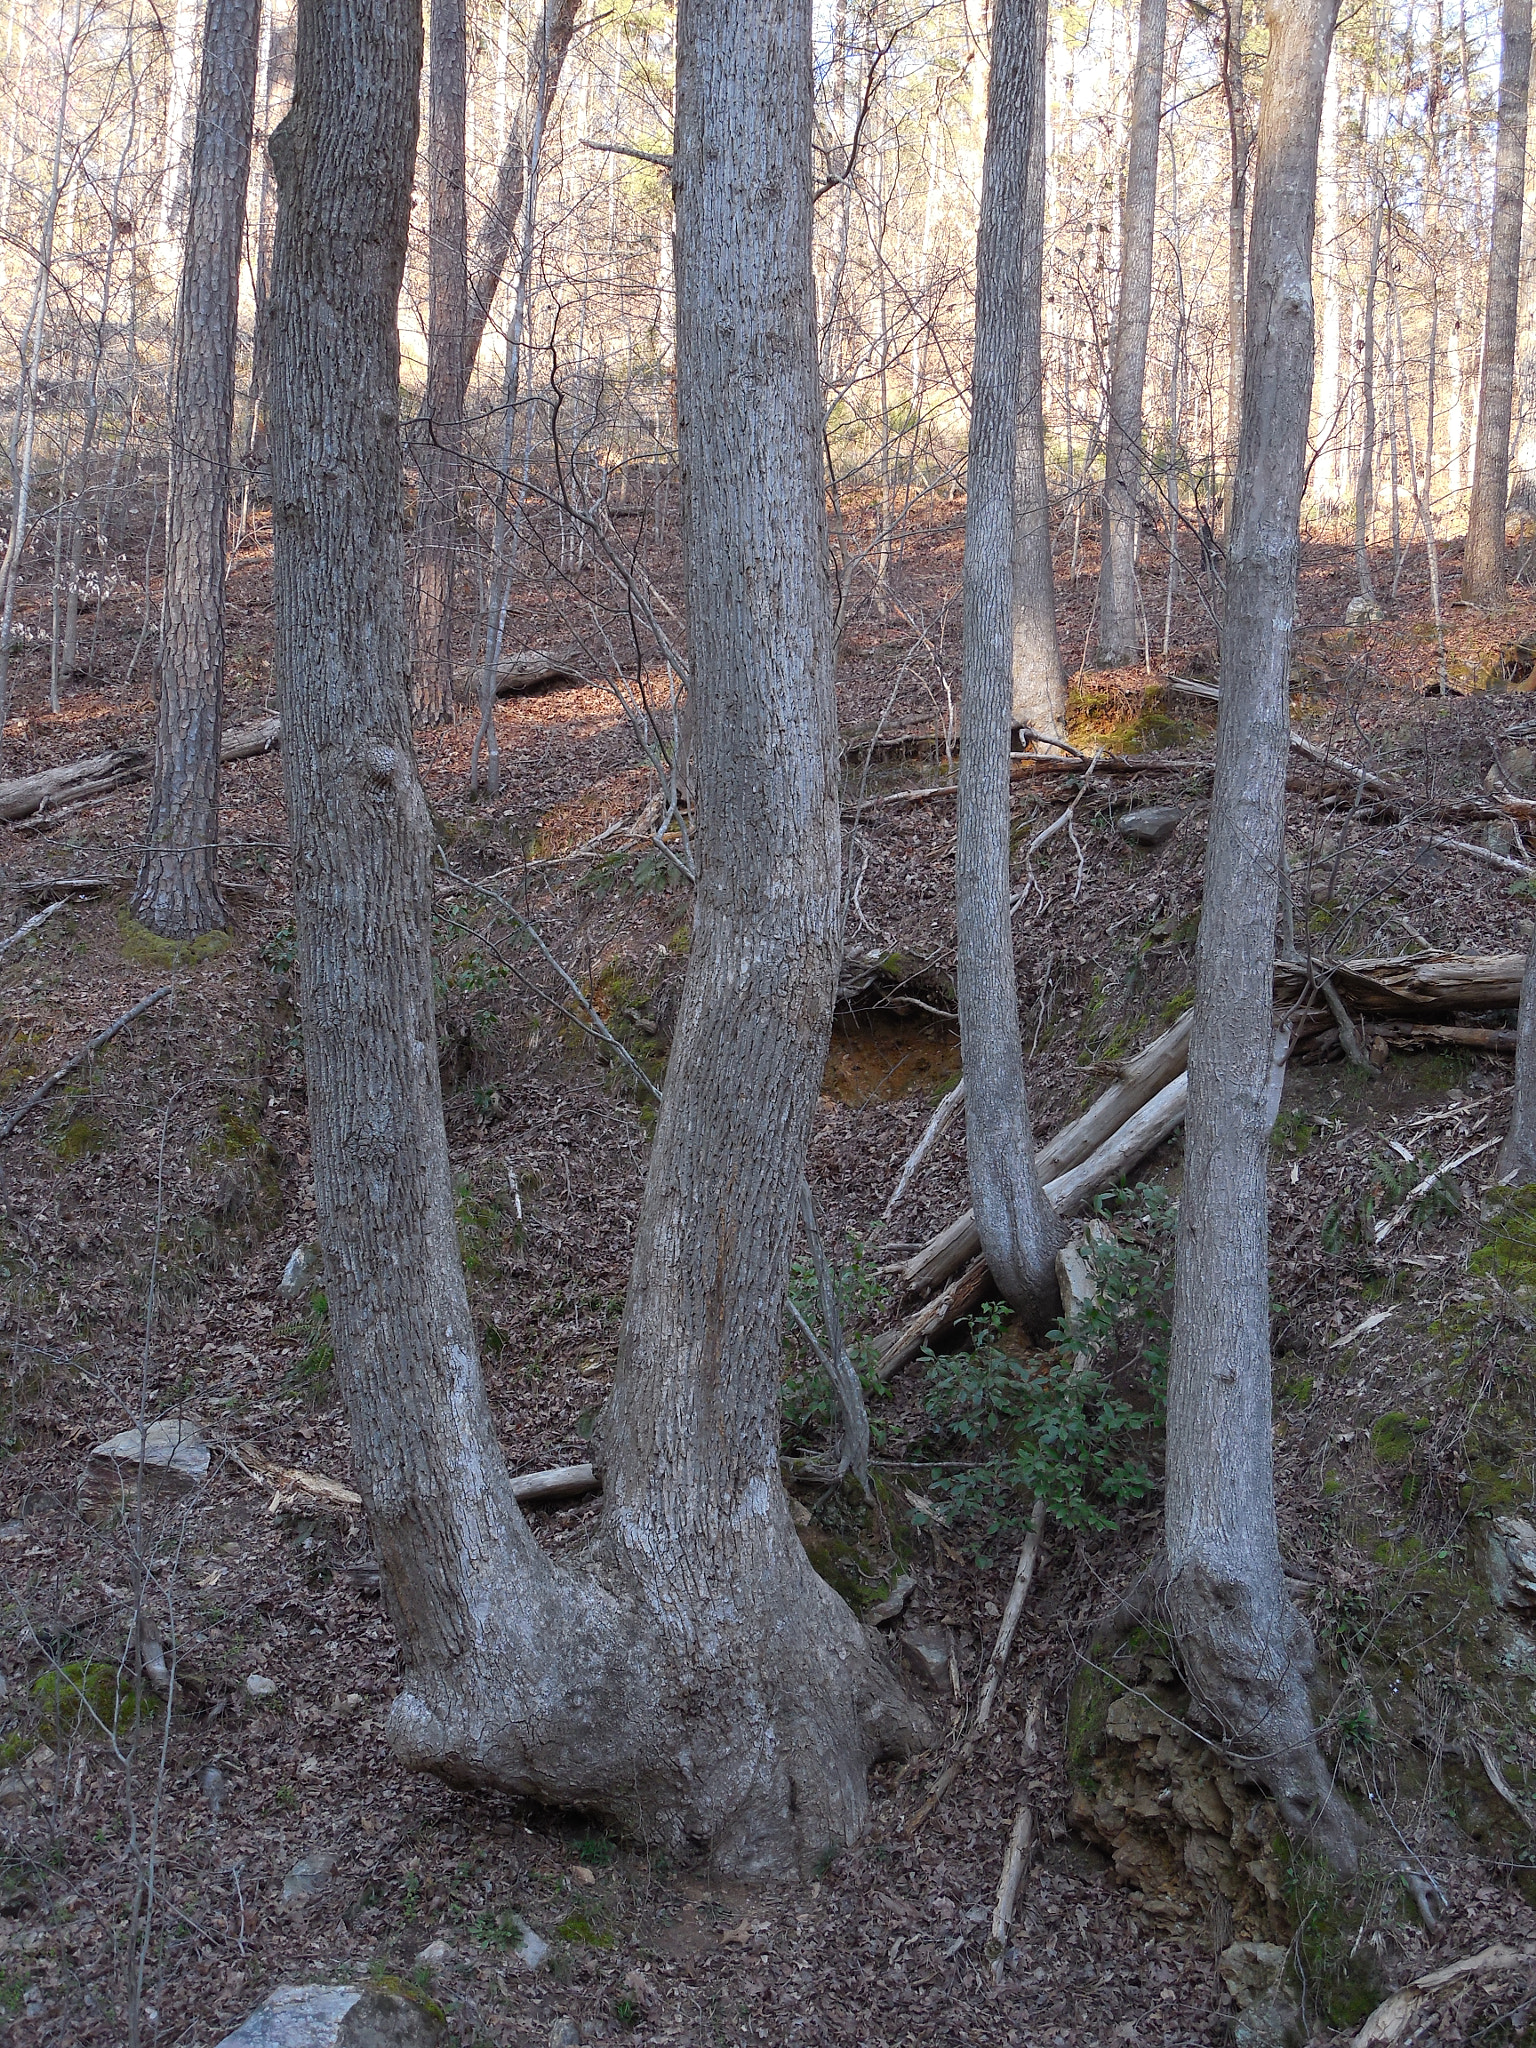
(148,1208)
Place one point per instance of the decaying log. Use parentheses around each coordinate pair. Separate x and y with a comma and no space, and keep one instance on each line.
(516,673)
(55,790)
(1474,1035)
(1020,1844)
(1413,984)
(959,1298)
(1399,2017)
(1141,1078)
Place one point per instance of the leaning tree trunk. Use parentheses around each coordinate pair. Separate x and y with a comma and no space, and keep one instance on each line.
(1483,568)
(1019,1230)
(1244,1649)
(1117,637)
(440,430)
(1039,681)
(699,1685)
(177,891)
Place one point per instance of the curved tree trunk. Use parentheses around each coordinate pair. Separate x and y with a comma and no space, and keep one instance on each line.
(1483,567)
(1246,1652)
(1019,1230)
(1039,681)
(1118,643)
(440,429)
(698,1685)
(177,892)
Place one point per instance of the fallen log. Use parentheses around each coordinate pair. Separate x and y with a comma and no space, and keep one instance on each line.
(1413,984)
(54,790)
(1141,1078)
(517,673)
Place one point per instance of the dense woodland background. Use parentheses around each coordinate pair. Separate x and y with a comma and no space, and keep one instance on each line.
(196,1798)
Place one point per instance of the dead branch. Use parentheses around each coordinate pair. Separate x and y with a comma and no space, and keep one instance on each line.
(1021,1843)
(934,1129)
(40,917)
(1023,1579)
(1396,2017)
(39,1094)
(55,790)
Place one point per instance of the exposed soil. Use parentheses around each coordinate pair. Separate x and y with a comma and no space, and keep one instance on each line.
(148,1208)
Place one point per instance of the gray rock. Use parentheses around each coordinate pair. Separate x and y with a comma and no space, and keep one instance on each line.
(436,1955)
(529,1949)
(301,1275)
(1272,2023)
(174,1458)
(925,1652)
(1499,836)
(309,1877)
(894,1602)
(1151,826)
(565,2034)
(213,1784)
(1360,611)
(338,2016)
(1512,1562)
(1253,1970)
(260,1687)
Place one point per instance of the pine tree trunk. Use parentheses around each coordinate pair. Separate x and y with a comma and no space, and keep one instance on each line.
(1245,1651)
(698,1684)
(1118,642)
(1039,681)
(1019,1230)
(177,891)
(1483,567)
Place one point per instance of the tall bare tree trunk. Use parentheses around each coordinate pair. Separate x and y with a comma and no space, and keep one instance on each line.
(177,891)
(1517,1155)
(698,1684)
(1483,566)
(1240,145)
(1019,1230)
(440,430)
(1039,681)
(1365,476)
(1118,641)
(1246,1652)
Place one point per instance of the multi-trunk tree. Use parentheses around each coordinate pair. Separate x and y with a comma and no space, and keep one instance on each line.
(694,1680)
(177,892)
(1244,1649)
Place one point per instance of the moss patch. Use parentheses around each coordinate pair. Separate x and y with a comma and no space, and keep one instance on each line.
(147,949)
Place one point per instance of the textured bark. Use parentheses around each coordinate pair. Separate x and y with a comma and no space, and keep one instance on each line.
(463,290)
(1483,565)
(1365,476)
(440,429)
(698,1685)
(176,893)
(1018,1229)
(1245,1651)
(1118,642)
(1039,680)
(1240,144)
(1517,1155)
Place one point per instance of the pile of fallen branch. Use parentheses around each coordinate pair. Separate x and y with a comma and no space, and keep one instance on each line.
(1409,998)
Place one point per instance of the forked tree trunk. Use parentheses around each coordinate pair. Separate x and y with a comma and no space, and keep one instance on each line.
(1118,641)
(1517,1155)
(440,429)
(1483,568)
(1019,1230)
(177,891)
(1245,1651)
(699,1685)
(1039,681)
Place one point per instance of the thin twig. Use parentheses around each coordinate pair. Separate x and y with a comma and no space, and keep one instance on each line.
(38,1094)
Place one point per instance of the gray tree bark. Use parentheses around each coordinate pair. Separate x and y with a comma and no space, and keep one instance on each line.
(1118,643)
(695,1683)
(1365,476)
(177,893)
(1483,565)
(1245,1651)
(1517,1155)
(1019,1230)
(1039,680)
(440,429)
(463,289)
(1240,145)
